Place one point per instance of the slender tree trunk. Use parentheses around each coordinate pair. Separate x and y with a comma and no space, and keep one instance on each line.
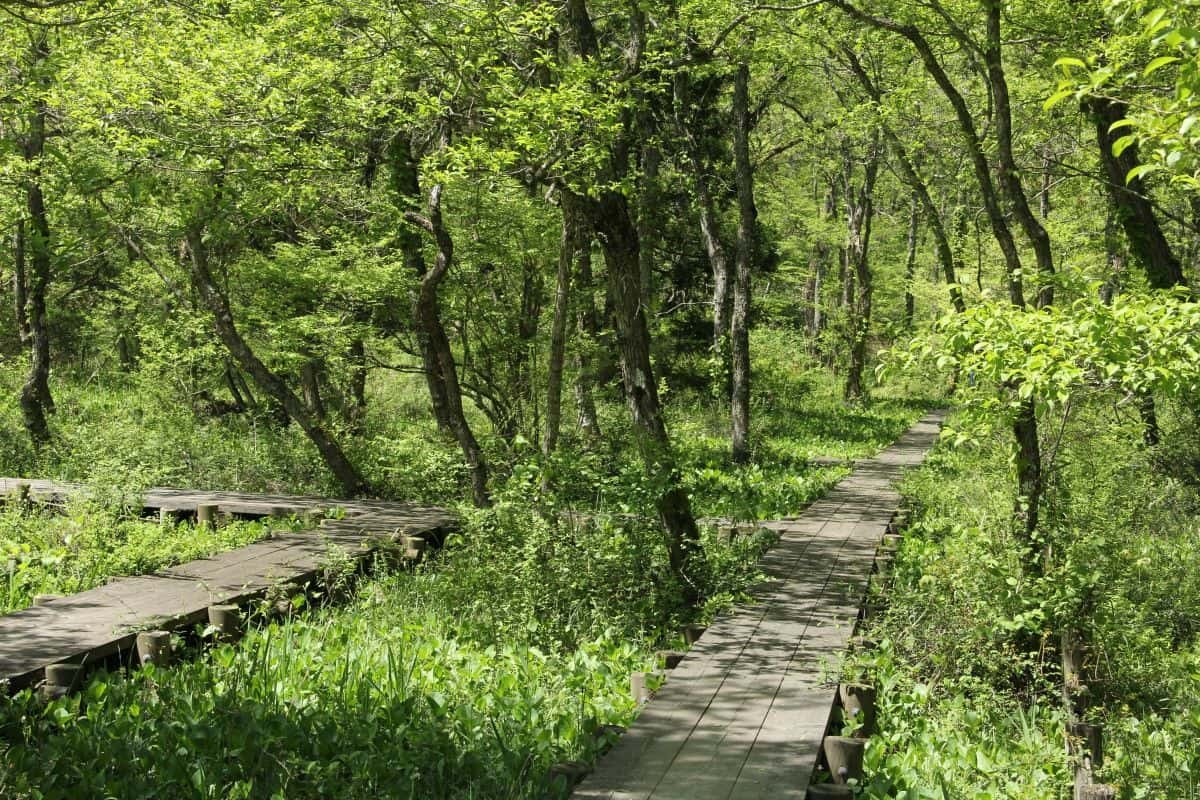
(353,484)
(406,187)
(587,326)
(747,249)
(20,295)
(574,241)
(358,381)
(910,262)
(860,215)
(1007,173)
(36,401)
(428,313)
(717,259)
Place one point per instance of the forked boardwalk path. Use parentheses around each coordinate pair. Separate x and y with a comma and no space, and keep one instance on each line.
(104,621)
(743,715)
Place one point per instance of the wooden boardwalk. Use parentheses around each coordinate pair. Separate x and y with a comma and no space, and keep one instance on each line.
(743,715)
(104,621)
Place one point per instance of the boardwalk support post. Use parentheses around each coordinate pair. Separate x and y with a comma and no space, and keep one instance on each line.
(154,647)
(61,679)
(206,514)
(638,688)
(844,755)
(859,704)
(226,622)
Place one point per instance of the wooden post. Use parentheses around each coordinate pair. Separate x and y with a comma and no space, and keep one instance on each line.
(206,514)
(859,705)
(20,495)
(829,791)
(414,547)
(154,647)
(226,620)
(566,774)
(669,658)
(638,688)
(43,599)
(1097,791)
(692,634)
(844,755)
(61,679)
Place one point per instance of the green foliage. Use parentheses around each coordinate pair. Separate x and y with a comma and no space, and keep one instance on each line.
(391,696)
(46,552)
(1121,526)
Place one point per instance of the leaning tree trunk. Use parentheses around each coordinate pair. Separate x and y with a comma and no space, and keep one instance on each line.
(429,319)
(353,484)
(1148,244)
(747,248)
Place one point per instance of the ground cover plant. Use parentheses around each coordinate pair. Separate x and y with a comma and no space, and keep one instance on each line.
(87,543)
(952,657)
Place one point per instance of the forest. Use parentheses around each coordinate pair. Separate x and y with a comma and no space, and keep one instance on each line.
(604,278)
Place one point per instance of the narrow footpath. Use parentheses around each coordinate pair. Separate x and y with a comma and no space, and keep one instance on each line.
(743,715)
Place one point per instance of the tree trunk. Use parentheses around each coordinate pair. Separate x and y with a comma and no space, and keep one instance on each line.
(747,250)
(587,326)
(406,187)
(1147,243)
(860,207)
(1007,173)
(36,401)
(428,314)
(358,382)
(910,263)
(353,484)
(618,237)
(574,241)
(20,294)
(908,172)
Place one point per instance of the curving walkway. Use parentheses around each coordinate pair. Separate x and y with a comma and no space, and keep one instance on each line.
(743,715)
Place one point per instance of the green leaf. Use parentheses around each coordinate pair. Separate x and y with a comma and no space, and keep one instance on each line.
(1158,64)
(1068,61)
(1056,98)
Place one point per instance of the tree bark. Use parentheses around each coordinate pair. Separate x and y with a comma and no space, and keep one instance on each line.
(1147,243)
(747,250)
(1007,173)
(908,171)
(406,186)
(20,295)
(574,241)
(587,326)
(910,263)
(860,208)
(428,314)
(35,400)
(353,484)
(618,238)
